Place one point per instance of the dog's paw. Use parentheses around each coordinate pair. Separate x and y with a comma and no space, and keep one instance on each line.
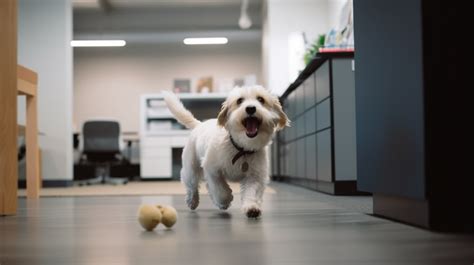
(223,206)
(252,211)
(192,200)
(224,201)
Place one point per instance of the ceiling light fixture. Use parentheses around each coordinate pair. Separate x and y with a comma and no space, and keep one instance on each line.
(98,43)
(244,20)
(203,41)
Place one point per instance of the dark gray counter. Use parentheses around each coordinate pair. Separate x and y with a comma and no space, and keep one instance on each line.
(318,151)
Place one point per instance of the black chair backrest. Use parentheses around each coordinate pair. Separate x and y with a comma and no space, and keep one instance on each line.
(101,137)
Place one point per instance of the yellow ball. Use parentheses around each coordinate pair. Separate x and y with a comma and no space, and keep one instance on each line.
(169,215)
(149,216)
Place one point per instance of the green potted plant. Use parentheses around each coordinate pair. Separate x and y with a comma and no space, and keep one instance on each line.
(313,49)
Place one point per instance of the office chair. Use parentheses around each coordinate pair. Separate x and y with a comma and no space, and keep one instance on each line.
(101,148)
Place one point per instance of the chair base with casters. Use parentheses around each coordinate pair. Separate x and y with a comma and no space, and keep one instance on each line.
(102,177)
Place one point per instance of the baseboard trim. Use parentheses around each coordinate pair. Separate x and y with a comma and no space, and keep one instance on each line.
(47,183)
(406,210)
(333,188)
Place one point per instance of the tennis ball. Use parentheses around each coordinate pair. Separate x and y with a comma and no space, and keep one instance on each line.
(169,215)
(149,216)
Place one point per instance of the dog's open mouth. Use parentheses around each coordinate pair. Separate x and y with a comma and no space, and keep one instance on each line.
(251,125)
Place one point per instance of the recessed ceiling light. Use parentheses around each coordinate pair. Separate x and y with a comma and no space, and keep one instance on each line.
(244,20)
(202,41)
(98,43)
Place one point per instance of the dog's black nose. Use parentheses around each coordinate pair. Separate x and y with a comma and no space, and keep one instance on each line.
(250,110)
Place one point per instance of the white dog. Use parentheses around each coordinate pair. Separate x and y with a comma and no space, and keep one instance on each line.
(231,147)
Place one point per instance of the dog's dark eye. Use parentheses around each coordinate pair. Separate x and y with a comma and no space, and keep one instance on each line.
(239,101)
(261,100)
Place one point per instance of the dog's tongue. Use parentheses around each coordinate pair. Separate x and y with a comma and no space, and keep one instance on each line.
(251,125)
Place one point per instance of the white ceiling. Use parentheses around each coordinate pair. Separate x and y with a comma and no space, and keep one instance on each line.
(152,20)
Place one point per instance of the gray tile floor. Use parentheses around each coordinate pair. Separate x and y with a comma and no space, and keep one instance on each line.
(298,227)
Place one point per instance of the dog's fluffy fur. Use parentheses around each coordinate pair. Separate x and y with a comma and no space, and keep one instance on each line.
(209,151)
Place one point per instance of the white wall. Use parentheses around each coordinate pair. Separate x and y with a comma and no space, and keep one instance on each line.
(108,82)
(44,34)
(282,18)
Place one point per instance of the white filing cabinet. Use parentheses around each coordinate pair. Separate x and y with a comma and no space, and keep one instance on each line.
(160,132)
(156,153)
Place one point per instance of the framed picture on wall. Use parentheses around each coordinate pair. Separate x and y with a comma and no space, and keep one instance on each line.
(238,82)
(204,85)
(182,85)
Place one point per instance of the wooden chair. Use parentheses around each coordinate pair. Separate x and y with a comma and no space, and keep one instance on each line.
(27,86)
(15,80)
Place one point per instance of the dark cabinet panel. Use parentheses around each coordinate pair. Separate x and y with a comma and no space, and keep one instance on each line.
(292,159)
(390,109)
(309,92)
(286,108)
(291,105)
(300,126)
(324,155)
(323,111)
(282,135)
(288,154)
(322,82)
(310,120)
(283,160)
(299,101)
(406,155)
(291,131)
(300,158)
(344,120)
(311,159)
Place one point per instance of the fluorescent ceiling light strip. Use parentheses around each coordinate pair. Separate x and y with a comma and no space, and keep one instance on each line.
(98,43)
(201,41)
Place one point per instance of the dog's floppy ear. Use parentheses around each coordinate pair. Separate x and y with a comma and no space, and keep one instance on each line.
(222,117)
(282,120)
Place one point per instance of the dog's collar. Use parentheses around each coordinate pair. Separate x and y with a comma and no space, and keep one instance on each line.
(241,152)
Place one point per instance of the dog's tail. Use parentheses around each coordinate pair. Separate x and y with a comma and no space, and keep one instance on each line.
(179,111)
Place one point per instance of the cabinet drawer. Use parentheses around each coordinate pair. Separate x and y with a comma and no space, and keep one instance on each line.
(179,141)
(288,131)
(300,124)
(286,107)
(310,120)
(291,105)
(155,141)
(324,156)
(310,157)
(309,92)
(323,111)
(291,131)
(322,82)
(155,167)
(299,100)
(288,153)
(291,158)
(283,160)
(300,158)
(150,151)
